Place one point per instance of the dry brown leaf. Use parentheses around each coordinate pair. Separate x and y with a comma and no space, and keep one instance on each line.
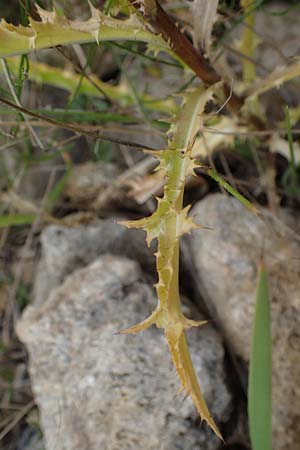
(204,16)
(279,145)
(143,188)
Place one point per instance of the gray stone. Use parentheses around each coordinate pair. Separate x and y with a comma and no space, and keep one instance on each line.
(99,390)
(279,34)
(66,249)
(226,260)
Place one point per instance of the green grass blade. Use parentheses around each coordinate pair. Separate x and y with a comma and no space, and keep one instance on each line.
(80,116)
(260,373)
(11,220)
(53,76)
(58,189)
(215,176)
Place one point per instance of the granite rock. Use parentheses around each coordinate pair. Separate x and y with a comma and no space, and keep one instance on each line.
(100,390)
(226,259)
(66,249)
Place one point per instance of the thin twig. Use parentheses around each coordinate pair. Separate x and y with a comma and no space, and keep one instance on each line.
(75,128)
(17,419)
(15,97)
(83,72)
(212,130)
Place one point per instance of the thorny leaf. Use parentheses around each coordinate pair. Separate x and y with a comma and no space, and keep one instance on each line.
(167,224)
(56,30)
(279,76)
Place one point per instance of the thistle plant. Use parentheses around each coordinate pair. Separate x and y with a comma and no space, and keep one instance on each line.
(167,224)
(170,220)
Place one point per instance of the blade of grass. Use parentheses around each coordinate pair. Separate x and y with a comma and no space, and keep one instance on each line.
(260,373)
(89,85)
(23,74)
(10,220)
(132,86)
(215,176)
(74,95)
(17,101)
(57,191)
(80,116)
(72,127)
(143,55)
(241,19)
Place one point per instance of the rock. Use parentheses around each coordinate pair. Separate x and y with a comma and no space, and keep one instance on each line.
(226,260)
(100,390)
(88,179)
(275,46)
(66,249)
(275,36)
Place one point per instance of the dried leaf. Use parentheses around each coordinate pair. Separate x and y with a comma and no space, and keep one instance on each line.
(281,146)
(222,133)
(143,188)
(279,76)
(204,16)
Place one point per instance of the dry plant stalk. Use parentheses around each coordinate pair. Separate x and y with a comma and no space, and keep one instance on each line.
(170,220)
(167,224)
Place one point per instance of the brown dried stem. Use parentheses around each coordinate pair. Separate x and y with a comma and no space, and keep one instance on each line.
(163,24)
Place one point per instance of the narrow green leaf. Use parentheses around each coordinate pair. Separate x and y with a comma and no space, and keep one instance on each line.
(22,74)
(215,176)
(57,191)
(80,116)
(260,373)
(9,220)
(65,79)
